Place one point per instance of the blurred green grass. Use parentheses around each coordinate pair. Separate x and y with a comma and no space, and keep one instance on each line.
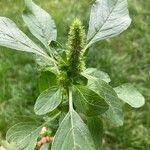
(125,58)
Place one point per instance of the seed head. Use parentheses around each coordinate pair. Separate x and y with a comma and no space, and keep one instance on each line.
(76,43)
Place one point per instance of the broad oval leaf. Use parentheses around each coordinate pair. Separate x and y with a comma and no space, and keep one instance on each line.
(48,101)
(12,37)
(88,102)
(25,135)
(114,114)
(108,19)
(130,95)
(93,73)
(95,126)
(73,134)
(39,22)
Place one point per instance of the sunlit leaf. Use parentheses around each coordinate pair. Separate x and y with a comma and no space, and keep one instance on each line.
(24,135)
(39,22)
(48,101)
(108,19)
(114,114)
(12,37)
(73,134)
(130,95)
(94,73)
(88,102)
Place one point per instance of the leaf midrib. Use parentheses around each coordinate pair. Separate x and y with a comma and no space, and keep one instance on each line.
(39,110)
(16,40)
(103,23)
(27,135)
(86,100)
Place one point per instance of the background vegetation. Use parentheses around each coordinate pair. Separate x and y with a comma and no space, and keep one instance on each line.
(125,58)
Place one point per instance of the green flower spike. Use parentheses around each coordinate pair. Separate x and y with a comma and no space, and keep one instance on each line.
(76,43)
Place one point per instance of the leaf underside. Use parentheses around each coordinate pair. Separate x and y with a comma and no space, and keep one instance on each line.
(130,95)
(114,114)
(73,134)
(12,37)
(96,74)
(108,19)
(48,101)
(24,135)
(39,22)
(88,102)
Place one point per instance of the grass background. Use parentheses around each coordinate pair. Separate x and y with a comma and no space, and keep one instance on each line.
(125,58)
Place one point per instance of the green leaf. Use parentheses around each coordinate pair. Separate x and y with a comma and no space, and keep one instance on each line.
(114,114)
(88,102)
(47,79)
(79,79)
(12,37)
(24,135)
(93,73)
(48,101)
(95,126)
(40,23)
(108,19)
(45,147)
(9,146)
(43,63)
(130,95)
(73,134)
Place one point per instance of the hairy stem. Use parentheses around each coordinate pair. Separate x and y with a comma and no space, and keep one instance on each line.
(70,99)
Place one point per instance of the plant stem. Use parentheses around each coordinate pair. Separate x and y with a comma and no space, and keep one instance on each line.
(86,47)
(70,99)
(51,55)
